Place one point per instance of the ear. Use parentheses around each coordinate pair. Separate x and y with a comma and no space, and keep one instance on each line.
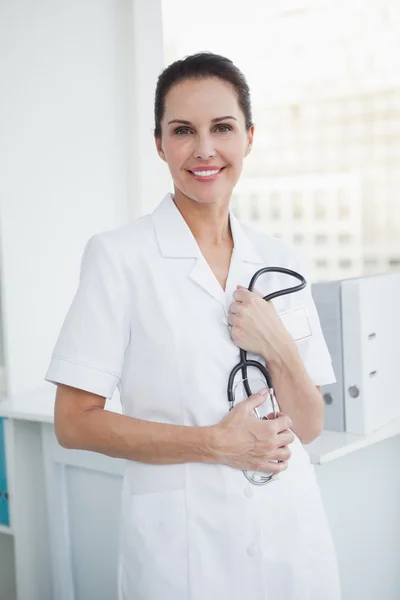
(250,139)
(158,142)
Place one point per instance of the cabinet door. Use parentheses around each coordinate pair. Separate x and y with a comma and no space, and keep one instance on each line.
(83,495)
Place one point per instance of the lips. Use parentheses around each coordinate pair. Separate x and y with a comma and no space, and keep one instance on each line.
(206,173)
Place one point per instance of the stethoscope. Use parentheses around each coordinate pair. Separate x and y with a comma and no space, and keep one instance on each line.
(256,477)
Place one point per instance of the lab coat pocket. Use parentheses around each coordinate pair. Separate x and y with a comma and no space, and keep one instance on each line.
(297,322)
(155,546)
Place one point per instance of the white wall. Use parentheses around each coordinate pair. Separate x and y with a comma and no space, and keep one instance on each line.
(76,151)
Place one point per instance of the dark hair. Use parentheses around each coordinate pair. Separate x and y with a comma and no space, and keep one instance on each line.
(201,66)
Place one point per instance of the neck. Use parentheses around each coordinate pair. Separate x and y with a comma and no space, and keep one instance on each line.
(209,223)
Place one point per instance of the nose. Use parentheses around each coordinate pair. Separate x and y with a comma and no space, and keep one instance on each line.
(204,147)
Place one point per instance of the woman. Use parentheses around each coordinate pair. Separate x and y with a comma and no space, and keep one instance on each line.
(161,311)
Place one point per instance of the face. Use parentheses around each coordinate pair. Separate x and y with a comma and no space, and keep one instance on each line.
(204,139)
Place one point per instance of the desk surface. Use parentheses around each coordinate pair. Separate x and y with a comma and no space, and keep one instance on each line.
(38,405)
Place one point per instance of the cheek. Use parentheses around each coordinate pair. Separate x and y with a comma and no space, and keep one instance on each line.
(176,154)
(234,152)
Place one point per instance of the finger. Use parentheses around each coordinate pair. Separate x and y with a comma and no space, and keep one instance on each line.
(254,291)
(281,454)
(277,414)
(275,467)
(235,307)
(285,438)
(242,295)
(282,422)
(272,416)
(281,466)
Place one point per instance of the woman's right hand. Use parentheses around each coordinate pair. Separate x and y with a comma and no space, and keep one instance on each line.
(248,443)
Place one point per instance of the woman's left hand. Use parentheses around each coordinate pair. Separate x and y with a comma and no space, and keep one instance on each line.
(256,326)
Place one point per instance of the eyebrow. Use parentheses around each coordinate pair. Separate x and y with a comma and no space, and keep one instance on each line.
(216,120)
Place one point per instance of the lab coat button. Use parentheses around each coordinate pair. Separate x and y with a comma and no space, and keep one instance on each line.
(251,550)
(248,492)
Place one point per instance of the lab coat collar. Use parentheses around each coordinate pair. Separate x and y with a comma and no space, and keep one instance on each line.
(177,241)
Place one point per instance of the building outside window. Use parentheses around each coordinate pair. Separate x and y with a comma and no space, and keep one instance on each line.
(325,83)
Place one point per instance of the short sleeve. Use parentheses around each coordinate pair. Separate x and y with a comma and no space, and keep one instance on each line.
(314,350)
(89,352)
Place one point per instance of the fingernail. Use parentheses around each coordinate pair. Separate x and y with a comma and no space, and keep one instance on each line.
(263,391)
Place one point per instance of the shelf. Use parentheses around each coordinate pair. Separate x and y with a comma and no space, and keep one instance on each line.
(38,405)
(6,530)
(333,444)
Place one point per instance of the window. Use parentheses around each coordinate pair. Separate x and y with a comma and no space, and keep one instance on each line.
(298,238)
(311,135)
(370,262)
(320,211)
(344,238)
(321,263)
(321,238)
(395,262)
(254,209)
(275,213)
(343,211)
(345,263)
(297,212)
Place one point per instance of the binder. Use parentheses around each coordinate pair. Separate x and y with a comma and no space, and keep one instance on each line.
(371,332)
(360,319)
(327,298)
(4,508)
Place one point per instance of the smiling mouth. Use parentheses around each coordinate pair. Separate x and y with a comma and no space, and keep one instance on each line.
(209,174)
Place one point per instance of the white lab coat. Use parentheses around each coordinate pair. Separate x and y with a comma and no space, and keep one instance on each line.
(149,316)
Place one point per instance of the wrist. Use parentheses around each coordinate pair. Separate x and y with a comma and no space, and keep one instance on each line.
(283,357)
(210,443)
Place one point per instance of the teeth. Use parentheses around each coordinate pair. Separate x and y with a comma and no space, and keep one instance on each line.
(205,173)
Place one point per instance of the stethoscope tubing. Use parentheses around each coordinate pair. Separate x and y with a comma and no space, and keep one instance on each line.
(244,363)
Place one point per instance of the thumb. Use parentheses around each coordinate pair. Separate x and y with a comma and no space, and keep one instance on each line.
(242,287)
(255,400)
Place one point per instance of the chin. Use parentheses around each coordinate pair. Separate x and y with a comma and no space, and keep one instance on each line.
(211,195)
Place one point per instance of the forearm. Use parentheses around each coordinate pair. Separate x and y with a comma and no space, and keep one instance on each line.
(120,436)
(296,393)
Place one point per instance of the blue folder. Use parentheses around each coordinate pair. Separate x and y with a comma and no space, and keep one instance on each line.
(4,509)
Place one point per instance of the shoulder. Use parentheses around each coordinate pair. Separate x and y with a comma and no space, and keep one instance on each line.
(273,249)
(124,241)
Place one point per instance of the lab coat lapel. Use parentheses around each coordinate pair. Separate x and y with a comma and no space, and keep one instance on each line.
(176,241)
(204,277)
(246,259)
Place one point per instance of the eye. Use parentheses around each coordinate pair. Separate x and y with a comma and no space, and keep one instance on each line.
(223,128)
(182,130)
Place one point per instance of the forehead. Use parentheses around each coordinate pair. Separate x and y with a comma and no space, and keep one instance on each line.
(201,98)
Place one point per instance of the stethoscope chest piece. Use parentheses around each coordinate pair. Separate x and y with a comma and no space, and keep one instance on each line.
(257,477)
